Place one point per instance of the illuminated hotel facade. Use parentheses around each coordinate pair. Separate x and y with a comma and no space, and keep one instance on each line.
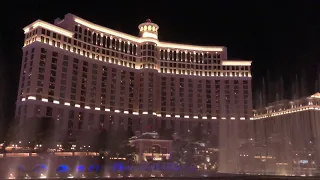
(87,76)
(289,131)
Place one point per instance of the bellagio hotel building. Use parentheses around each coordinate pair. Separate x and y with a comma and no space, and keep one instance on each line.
(86,76)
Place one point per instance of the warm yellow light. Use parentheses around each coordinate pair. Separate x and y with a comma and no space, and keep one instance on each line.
(317,95)
(287,111)
(48,26)
(105,30)
(137,39)
(135,113)
(236,63)
(32,97)
(189,47)
(149,35)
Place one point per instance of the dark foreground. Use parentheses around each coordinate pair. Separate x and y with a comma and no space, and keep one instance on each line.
(235,177)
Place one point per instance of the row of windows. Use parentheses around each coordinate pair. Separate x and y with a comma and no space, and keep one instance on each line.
(189,56)
(95,49)
(92,96)
(75,120)
(105,41)
(287,106)
(96,56)
(26,71)
(103,53)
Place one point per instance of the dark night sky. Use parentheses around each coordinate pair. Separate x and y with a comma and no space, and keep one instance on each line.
(281,37)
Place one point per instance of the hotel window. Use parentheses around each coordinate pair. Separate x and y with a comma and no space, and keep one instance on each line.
(49,111)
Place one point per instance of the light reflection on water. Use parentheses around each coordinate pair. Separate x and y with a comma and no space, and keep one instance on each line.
(117,169)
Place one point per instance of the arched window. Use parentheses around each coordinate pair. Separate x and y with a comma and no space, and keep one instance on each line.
(122,46)
(197,57)
(156,149)
(113,43)
(94,38)
(131,48)
(117,44)
(161,54)
(108,42)
(104,41)
(134,49)
(126,47)
(98,39)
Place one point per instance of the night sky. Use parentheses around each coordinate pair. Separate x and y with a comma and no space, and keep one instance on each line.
(281,37)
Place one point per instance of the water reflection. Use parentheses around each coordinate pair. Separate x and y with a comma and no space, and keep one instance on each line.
(117,169)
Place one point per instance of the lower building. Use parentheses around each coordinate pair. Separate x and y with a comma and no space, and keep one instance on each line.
(151,147)
(289,131)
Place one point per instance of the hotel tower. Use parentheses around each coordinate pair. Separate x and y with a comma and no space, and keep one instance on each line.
(86,76)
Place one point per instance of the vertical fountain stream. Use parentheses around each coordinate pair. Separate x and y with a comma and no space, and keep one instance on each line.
(2,96)
(290,141)
(235,137)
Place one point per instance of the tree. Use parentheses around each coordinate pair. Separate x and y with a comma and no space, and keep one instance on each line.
(12,133)
(127,150)
(89,140)
(39,131)
(130,133)
(118,143)
(45,133)
(197,133)
(66,144)
(177,151)
(115,138)
(102,146)
(102,140)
